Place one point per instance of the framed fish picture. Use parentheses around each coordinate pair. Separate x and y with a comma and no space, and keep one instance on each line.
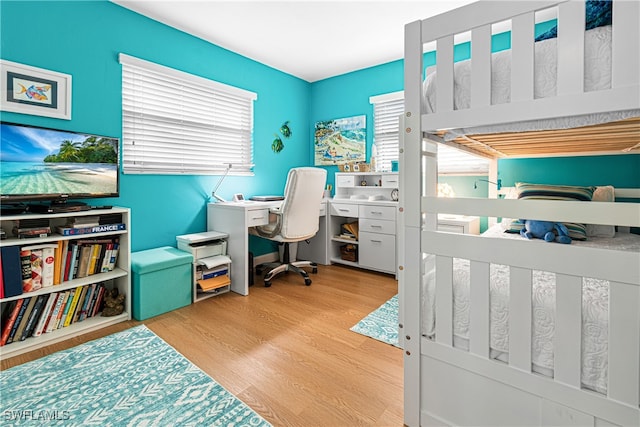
(36,91)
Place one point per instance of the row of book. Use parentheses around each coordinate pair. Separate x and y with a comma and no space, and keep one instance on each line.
(41,314)
(29,268)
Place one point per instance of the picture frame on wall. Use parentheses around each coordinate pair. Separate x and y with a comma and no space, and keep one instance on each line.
(340,141)
(36,91)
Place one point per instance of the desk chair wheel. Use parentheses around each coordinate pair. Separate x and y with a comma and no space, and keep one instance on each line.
(307,281)
(314,270)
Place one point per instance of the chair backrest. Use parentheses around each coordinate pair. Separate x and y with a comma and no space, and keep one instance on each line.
(300,209)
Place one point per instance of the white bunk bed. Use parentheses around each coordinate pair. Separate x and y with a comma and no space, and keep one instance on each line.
(508,373)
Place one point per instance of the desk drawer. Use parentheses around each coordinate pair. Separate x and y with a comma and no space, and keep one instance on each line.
(378,212)
(257,217)
(390,181)
(343,209)
(377,226)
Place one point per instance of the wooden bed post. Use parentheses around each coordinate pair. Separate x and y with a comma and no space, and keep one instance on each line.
(409,223)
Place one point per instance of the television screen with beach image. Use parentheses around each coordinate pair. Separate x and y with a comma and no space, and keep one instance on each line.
(45,164)
(340,141)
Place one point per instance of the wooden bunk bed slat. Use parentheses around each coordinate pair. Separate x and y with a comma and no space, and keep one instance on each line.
(609,213)
(522,66)
(568,330)
(481,78)
(624,343)
(626,39)
(566,259)
(444,293)
(479,309)
(520,282)
(570,48)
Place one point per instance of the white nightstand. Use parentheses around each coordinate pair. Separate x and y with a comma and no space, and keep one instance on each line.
(459,224)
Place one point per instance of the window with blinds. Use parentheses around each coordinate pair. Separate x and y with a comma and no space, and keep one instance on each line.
(178,123)
(387,109)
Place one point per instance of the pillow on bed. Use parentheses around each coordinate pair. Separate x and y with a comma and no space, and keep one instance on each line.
(602,194)
(554,192)
(597,14)
(528,191)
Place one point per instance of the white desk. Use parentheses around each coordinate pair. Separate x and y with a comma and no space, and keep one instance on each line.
(235,218)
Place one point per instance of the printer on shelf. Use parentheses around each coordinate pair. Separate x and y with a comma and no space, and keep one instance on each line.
(203,245)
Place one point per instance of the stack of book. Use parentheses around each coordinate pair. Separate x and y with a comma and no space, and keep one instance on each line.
(28,228)
(349,231)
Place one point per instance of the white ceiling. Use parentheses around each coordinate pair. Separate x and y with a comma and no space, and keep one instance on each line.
(312,40)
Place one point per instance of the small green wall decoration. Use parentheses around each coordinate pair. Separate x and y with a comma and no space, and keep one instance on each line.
(277,145)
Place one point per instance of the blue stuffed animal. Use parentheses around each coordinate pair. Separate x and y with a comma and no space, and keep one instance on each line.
(545,230)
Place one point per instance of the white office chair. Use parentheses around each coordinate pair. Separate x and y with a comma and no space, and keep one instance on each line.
(294,221)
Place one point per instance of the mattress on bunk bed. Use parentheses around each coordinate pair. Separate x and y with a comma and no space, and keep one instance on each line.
(594,306)
(597,76)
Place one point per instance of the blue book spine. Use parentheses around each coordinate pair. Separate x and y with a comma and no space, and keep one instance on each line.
(11,271)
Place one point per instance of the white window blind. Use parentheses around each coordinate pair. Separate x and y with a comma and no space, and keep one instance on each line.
(178,123)
(386,113)
(386,126)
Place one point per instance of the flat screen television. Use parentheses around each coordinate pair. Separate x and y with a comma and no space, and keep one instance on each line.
(55,166)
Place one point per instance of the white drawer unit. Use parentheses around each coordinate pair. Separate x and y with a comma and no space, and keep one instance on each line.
(459,224)
(377,251)
(377,226)
(257,217)
(377,212)
(375,223)
(344,209)
(390,181)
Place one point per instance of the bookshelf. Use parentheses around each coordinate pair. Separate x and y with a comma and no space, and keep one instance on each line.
(115,276)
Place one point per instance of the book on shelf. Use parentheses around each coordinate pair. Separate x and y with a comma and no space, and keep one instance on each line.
(61,312)
(34,316)
(1,280)
(46,314)
(25,264)
(11,271)
(57,262)
(72,306)
(25,318)
(76,231)
(78,308)
(53,323)
(65,312)
(8,323)
(83,221)
(16,324)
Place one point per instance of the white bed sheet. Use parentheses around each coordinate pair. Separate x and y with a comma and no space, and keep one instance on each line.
(597,77)
(595,310)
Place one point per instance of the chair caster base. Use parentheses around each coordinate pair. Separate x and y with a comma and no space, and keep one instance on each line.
(307,282)
(267,284)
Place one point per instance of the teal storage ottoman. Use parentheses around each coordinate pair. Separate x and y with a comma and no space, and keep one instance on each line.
(161,281)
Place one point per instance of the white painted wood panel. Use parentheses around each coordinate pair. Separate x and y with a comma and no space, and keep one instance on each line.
(568,330)
(624,342)
(481,66)
(520,281)
(522,57)
(479,309)
(444,297)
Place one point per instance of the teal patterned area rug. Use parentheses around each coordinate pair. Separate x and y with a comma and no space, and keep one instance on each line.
(131,378)
(382,323)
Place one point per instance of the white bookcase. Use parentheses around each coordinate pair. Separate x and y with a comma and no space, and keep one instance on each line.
(119,277)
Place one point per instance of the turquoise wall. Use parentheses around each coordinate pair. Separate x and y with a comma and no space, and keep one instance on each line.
(84,38)
(622,171)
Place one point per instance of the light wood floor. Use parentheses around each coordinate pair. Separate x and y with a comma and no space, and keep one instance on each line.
(287,351)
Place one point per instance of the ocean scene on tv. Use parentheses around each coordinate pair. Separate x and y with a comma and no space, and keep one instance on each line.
(37,161)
